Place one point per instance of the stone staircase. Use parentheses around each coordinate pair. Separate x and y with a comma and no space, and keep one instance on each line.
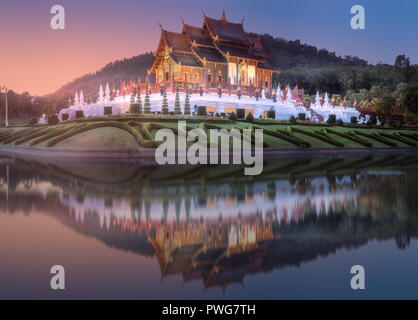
(315,114)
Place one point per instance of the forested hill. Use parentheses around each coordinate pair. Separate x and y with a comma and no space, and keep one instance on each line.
(119,70)
(284,55)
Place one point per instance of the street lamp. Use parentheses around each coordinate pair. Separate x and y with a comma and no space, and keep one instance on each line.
(5,90)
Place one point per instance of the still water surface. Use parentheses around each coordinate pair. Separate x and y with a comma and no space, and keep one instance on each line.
(141,232)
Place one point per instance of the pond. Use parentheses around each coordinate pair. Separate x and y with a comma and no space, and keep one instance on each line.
(132,231)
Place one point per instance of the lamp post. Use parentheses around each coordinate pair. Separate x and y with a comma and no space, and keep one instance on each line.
(5,90)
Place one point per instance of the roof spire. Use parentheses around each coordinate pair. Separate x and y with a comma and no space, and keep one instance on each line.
(223,15)
(182,20)
(243,19)
(161,26)
(203,12)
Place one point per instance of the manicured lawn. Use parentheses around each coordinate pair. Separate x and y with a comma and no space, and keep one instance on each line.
(122,133)
(100,138)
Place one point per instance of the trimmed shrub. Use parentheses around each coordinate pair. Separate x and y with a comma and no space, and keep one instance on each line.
(286,136)
(146,130)
(250,117)
(265,145)
(407,135)
(302,116)
(374,121)
(33,135)
(65,116)
(319,135)
(33,121)
(201,111)
(79,114)
(340,123)
(377,137)
(54,133)
(177,106)
(187,109)
(135,108)
(398,138)
(332,119)
(16,135)
(352,137)
(241,113)
(353,120)
(107,111)
(292,119)
(53,119)
(233,116)
(271,114)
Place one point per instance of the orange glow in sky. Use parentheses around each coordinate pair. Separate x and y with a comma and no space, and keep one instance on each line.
(37,59)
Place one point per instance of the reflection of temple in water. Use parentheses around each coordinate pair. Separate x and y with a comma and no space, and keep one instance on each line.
(221,232)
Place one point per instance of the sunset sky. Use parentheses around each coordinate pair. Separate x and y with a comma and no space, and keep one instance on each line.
(35,58)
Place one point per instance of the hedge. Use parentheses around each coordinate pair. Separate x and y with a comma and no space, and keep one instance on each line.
(376,137)
(233,116)
(79,114)
(150,118)
(332,119)
(137,135)
(10,138)
(240,113)
(321,136)
(398,138)
(54,133)
(251,127)
(292,119)
(249,117)
(135,108)
(286,137)
(201,111)
(145,128)
(352,137)
(53,119)
(107,110)
(271,114)
(33,121)
(6,134)
(410,136)
(33,135)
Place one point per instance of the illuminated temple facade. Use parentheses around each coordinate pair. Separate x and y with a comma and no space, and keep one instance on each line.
(218,54)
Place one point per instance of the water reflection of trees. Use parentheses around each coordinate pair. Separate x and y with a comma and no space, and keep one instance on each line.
(158,218)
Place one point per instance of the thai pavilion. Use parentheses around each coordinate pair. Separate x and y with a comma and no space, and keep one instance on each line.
(218,53)
(219,67)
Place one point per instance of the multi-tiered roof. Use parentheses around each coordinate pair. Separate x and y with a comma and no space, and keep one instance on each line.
(216,41)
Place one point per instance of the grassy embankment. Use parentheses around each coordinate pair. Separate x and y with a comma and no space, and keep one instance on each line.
(136,132)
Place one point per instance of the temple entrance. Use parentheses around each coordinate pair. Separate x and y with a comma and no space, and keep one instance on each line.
(243,71)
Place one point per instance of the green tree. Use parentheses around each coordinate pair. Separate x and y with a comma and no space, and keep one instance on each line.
(165,103)
(187,110)
(138,101)
(147,104)
(177,106)
(385,105)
